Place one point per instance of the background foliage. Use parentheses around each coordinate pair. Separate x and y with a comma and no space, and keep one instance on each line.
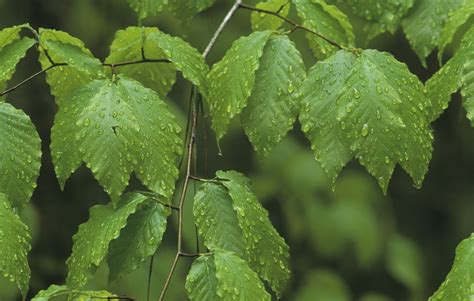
(353,243)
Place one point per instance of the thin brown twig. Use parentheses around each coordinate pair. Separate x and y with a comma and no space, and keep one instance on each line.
(291,22)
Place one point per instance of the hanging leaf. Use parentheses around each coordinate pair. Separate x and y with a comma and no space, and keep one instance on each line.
(424,23)
(138,240)
(201,282)
(10,56)
(458,283)
(16,243)
(368,106)
(262,21)
(328,21)
(20,155)
(456,74)
(117,127)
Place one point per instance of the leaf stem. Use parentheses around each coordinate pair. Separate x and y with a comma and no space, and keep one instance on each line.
(291,22)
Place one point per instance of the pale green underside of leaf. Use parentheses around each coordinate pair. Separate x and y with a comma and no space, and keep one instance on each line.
(456,74)
(201,282)
(116,128)
(181,8)
(60,292)
(455,21)
(216,219)
(231,80)
(262,21)
(267,252)
(20,155)
(15,242)
(236,280)
(326,20)
(127,47)
(138,240)
(424,23)
(371,107)
(64,79)
(379,15)
(273,105)
(458,285)
(92,240)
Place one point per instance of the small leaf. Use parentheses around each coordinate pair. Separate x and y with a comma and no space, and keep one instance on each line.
(322,285)
(20,155)
(267,252)
(236,280)
(91,242)
(201,282)
(455,21)
(186,9)
(459,281)
(424,23)
(127,47)
(369,106)
(273,105)
(16,243)
(456,74)
(145,8)
(10,56)
(232,79)
(263,21)
(328,21)
(138,240)
(55,291)
(10,34)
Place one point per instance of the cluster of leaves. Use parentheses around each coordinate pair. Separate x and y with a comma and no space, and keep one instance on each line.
(352,103)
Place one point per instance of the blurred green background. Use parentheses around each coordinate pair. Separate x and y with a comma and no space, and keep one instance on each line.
(352,243)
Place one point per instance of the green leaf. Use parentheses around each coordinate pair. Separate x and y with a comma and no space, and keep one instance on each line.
(322,285)
(262,21)
(454,76)
(379,16)
(374,297)
(216,219)
(92,240)
(145,8)
(459,281)
(236,280)
(16,243)
(55,292)
(10,56)
(455,21)
(201,282)
(369,106)
(232,79)
(184,57)
(328,21)
(273,105)
(424,23)
(186,9)
(267,252)
(117,127)
(10,34)
(127,47)
(138,240)
(20,155)
(64,79)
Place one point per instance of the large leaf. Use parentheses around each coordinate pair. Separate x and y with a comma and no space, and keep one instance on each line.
(267,252)
(453,24)
(127,47)
(20,155)
(117,127)
(272,105)
(15,242)
(216,219)
(201,282)
(91,242)
(61,292)
(458,285)
(138,240)
(236,280)
(64,79)
(266,21)
(424,23)
(456,74)
(232,79)
(368,106)
(328,21)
